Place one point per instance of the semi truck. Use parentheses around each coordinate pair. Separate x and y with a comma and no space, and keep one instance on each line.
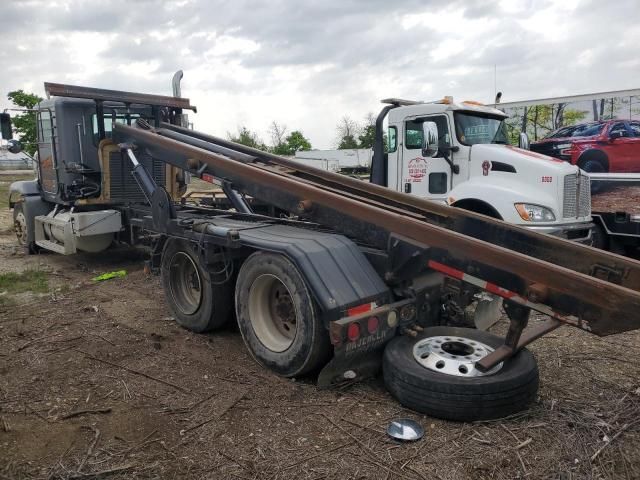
(474,167)
(337,277)
(348,161)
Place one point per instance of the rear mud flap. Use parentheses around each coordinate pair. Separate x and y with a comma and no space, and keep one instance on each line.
(354,368)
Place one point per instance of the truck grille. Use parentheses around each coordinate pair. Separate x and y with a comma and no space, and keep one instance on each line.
(124,188)
(577,196)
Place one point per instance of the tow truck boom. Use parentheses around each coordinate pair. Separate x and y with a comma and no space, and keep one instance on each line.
(598,293)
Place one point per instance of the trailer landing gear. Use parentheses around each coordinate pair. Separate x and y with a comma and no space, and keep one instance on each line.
(433,373)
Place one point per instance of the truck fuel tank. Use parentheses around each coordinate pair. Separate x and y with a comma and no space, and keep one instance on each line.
(67,232)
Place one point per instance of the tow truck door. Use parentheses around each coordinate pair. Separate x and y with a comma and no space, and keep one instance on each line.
(423,176)
(47,165)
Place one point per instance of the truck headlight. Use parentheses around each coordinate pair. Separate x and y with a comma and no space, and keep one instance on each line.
(534,213)
(564,149)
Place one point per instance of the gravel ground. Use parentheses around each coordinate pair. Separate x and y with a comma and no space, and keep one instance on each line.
(97,380)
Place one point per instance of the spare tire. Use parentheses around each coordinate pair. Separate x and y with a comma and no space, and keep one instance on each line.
(411,373)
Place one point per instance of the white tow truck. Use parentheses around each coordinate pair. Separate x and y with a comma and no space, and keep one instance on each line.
(469,163)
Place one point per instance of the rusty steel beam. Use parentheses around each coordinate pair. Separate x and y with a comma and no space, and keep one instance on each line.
(505,351)
(62,90)
(577,257)
(572,297)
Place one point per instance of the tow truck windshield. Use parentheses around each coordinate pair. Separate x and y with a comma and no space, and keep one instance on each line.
(473,128)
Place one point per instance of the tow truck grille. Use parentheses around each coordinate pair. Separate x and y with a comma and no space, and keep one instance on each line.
(124,188)
(577,196)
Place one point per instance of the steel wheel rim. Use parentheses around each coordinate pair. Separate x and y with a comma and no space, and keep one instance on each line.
(185,283)
(272,313)
(452,355)
(20,227)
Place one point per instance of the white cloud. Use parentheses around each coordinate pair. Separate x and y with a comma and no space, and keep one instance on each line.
(307,64)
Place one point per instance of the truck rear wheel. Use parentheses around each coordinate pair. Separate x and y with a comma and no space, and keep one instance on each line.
(197,304)
(434,373)
(277,316)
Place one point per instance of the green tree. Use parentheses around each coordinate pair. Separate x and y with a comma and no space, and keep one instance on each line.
(571,116)
(248,138)
(25,123)
(347,130)
(283,144)
(278,135)
(367,136)
(297,142)
(289,145)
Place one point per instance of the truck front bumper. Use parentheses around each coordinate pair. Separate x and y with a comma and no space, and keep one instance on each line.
(576,232)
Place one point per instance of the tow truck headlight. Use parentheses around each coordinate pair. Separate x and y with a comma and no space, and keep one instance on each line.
(534,213)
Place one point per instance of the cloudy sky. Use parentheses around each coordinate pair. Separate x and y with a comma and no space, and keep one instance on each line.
(307,64)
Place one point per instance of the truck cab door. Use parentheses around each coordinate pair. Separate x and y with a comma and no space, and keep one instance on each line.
(422,176)
(47,164)
(632,147)
(620,148)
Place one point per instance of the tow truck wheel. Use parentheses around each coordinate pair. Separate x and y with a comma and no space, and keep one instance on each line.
(278,318)
(197,304)
(434,373)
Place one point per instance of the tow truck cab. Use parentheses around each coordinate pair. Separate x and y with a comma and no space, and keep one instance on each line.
(459,154)
(82,179)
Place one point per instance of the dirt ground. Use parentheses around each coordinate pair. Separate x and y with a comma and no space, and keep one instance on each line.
(618,198)
(97,381)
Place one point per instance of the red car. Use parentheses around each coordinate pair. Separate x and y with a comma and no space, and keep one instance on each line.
(606,146)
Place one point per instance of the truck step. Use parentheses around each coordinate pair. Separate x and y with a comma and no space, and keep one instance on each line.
(50,221)
(53,246)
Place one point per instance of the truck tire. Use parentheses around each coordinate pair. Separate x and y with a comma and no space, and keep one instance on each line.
(278,318)
(196,303)
(505,391)
(593,165)
(21,227)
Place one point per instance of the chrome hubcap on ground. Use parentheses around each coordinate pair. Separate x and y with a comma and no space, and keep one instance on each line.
(272,313)
(452,355)
(185,283)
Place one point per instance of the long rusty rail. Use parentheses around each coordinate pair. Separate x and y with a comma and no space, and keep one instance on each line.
(563,292)
(555,250)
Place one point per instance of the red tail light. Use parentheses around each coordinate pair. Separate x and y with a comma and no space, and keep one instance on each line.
(353,332)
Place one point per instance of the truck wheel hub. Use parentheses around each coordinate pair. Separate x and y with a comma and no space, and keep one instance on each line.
(185,283)
(452,355)
(272,312)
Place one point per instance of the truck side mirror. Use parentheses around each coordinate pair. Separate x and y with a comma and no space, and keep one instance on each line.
(429,139)
(14,146)
(5,126)
(618,134)
(523,141)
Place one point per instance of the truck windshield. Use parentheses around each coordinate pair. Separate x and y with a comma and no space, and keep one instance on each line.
(472,128)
